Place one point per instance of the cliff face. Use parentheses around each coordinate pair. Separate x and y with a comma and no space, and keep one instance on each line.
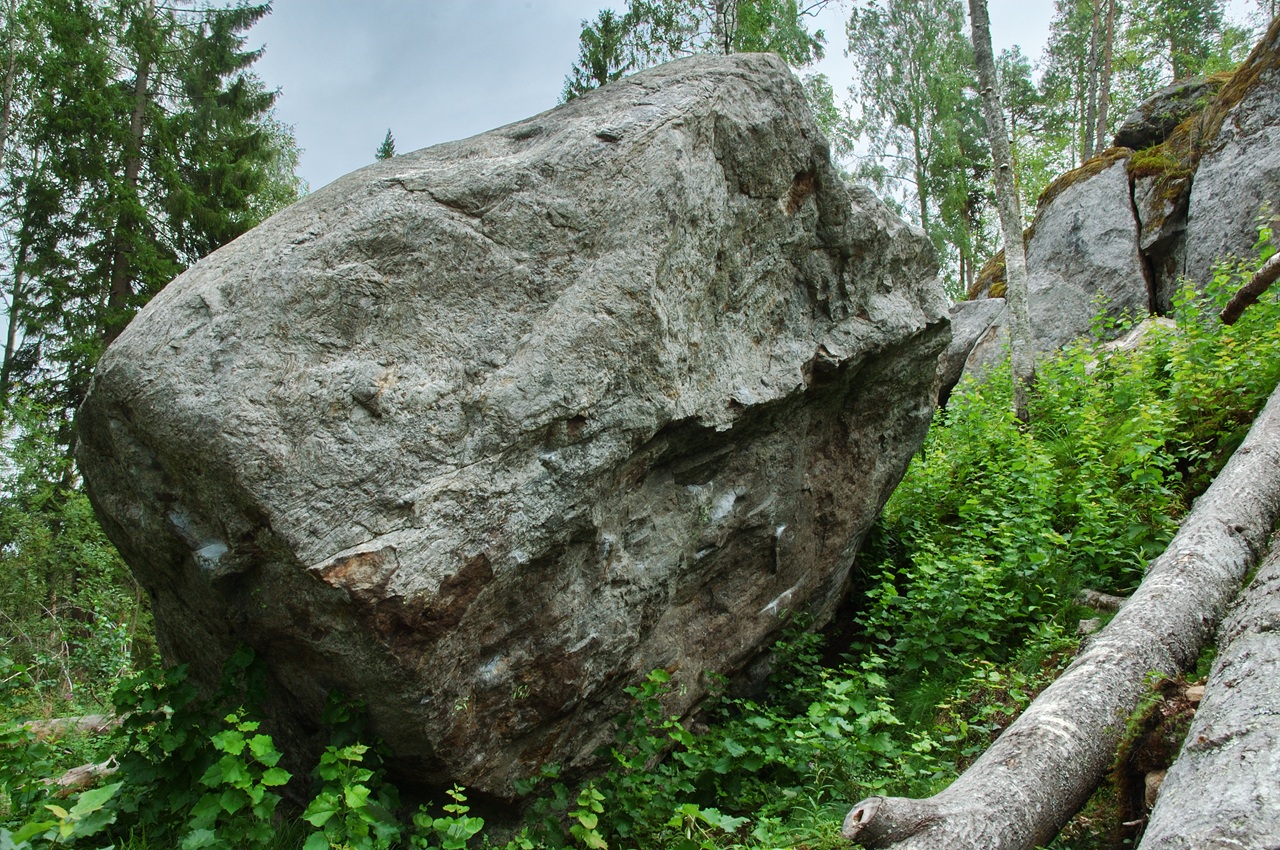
(1117,234)
(483,434)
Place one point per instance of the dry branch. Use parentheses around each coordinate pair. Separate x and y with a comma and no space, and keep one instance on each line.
(1233,746)
(1251,291)
(89,724)
(1099,601)
(1044,767)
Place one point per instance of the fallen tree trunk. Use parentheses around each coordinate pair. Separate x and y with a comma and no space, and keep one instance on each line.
(80,778)
(89,724)
(1037,774)
(1251,291)
(1233,746)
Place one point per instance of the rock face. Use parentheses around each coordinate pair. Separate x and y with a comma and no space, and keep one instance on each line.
(1083,246)
(1238,177)
(1157,116)
(1132,225)
(483,434)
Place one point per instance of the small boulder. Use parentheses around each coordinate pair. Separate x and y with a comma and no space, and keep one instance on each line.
(1157,116)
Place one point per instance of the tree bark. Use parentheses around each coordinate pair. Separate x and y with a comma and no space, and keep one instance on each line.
(1015,254)
(1251,291)
(1104,84)
(1091,84)
(6,108)
(1037,774)
(1233,746)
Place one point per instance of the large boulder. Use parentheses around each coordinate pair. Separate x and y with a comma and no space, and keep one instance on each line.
(483,434)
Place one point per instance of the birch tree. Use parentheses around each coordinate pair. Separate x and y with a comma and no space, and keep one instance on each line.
(1022,353)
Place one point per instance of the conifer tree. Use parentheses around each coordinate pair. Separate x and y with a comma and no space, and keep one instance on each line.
(387,149)
(145,144)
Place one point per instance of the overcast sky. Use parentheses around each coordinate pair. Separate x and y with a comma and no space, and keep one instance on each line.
(436,70)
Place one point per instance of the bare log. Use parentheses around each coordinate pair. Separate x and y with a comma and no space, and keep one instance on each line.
(89,724)
(1232,750)
(1037,774)
(85,776)
(1251,291)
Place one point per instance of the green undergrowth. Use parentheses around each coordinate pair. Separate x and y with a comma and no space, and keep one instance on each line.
(963,612)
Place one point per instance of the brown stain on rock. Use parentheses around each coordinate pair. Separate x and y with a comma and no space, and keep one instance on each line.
(802,188)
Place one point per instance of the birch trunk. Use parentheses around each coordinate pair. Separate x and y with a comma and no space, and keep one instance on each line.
(1015,254)
(1037,774)
(1233,747)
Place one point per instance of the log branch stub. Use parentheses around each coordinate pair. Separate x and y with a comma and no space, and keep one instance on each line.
(1099,601)
(877,821)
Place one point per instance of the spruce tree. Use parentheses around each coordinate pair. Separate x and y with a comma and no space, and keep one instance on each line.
(387,149)
(146,144)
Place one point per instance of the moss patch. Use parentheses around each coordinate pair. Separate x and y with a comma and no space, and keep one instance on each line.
(1091,167)
(990,278)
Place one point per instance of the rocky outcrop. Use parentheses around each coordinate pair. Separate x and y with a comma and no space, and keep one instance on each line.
(1082,257)
(1157,116)
(1129,226)
(483,434)
(1237,178)
(972,323)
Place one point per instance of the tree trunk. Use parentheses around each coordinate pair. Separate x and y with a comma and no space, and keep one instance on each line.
(6,109)
(1103,134)
(121,292)
(1043,768)
(1091,84)
(1233,747)
(1015,255)
(17,305)
(922,194)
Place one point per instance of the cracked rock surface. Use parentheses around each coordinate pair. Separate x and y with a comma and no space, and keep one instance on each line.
(483,434)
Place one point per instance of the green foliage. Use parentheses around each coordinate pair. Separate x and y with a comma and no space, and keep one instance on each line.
(72,615)
(238,807)
(653,31)
(922,122)
(450,831)
(351,809)
(139,142)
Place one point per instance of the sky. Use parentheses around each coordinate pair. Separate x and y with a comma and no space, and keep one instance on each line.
(433,71)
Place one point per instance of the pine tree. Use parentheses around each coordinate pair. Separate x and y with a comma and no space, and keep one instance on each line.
(602,54)
(387,149)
